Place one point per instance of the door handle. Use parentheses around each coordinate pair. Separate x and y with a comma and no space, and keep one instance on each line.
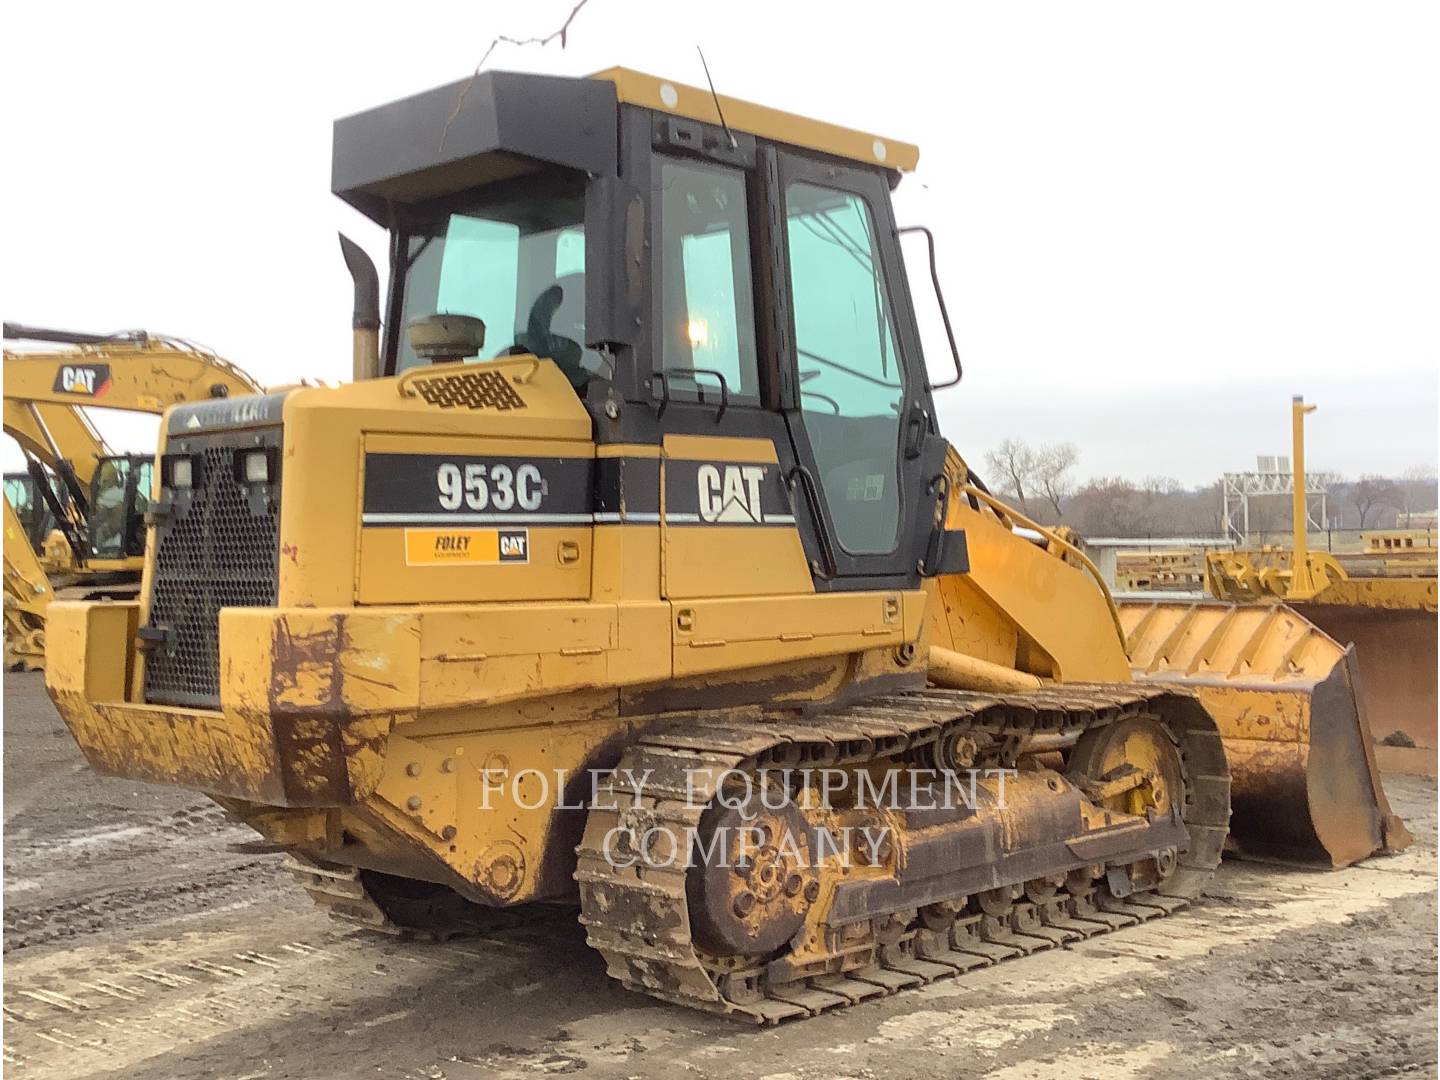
(947,551)
(917,426)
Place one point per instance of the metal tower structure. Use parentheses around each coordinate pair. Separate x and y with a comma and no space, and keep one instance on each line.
(1272,477)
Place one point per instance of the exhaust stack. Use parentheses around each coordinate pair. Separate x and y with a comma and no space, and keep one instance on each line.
(365,321)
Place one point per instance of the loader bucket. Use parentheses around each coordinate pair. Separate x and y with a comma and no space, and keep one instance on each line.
(1396,647)
(1286,697)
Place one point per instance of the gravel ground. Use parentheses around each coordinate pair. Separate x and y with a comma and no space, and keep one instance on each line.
(139,943)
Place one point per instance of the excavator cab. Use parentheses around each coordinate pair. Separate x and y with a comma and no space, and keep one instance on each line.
(31,510)
(114,516)
(119,495)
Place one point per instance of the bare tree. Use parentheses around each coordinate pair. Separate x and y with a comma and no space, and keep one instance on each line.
(1372,492)
(1417,489)
(1157,505)
(1024,472)
(1052,473)
(1156,486)
(1014,464)
(1106,506)
(1269,518)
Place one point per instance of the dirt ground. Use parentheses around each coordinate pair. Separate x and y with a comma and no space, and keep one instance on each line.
(139,944)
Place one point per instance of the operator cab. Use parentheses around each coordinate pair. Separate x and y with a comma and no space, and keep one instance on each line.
(31,507)
(113,512)
(694,265)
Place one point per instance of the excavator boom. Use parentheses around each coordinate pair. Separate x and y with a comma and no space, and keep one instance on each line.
(46,397)
(135,373)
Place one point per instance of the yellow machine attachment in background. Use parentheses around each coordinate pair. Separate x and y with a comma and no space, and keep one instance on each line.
(27,595)
(1390,621)
(1285,695)
(1382,603)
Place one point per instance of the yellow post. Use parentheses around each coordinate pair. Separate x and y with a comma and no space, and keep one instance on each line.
(1302,581)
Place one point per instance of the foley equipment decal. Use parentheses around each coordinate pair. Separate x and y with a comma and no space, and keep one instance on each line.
(466,547)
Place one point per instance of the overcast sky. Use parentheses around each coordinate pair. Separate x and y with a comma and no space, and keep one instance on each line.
(1157,221)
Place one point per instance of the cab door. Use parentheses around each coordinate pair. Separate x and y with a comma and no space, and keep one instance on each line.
(727,527)
(857,405)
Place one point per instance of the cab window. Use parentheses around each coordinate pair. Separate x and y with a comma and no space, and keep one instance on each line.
(707,304)
(512,256)
(851,380)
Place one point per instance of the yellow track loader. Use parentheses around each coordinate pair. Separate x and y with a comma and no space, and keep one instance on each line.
(633,570)
(94,499)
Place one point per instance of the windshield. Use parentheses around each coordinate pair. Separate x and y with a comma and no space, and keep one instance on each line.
(512,256)
(843,327)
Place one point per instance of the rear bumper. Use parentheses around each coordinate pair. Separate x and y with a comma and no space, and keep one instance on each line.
(290,732)
(309,696)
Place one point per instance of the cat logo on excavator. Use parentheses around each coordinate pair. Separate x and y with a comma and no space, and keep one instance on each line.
(83,380)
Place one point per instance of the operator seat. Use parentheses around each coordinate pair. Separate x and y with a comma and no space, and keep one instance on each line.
(557,312)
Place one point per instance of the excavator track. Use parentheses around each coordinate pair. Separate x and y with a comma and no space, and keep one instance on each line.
(639,917)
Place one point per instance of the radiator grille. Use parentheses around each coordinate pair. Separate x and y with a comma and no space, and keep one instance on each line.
(221,550)
(469,390)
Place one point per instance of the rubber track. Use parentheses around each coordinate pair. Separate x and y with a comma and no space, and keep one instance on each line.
(638,918)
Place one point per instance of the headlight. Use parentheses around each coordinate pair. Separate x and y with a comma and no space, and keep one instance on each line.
(177,471)
(255,467)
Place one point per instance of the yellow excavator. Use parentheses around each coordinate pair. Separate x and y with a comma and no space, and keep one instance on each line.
(632,569)
(74,521)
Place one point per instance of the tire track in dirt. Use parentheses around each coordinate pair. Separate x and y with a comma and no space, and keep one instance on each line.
(97,1009)
(171,896)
